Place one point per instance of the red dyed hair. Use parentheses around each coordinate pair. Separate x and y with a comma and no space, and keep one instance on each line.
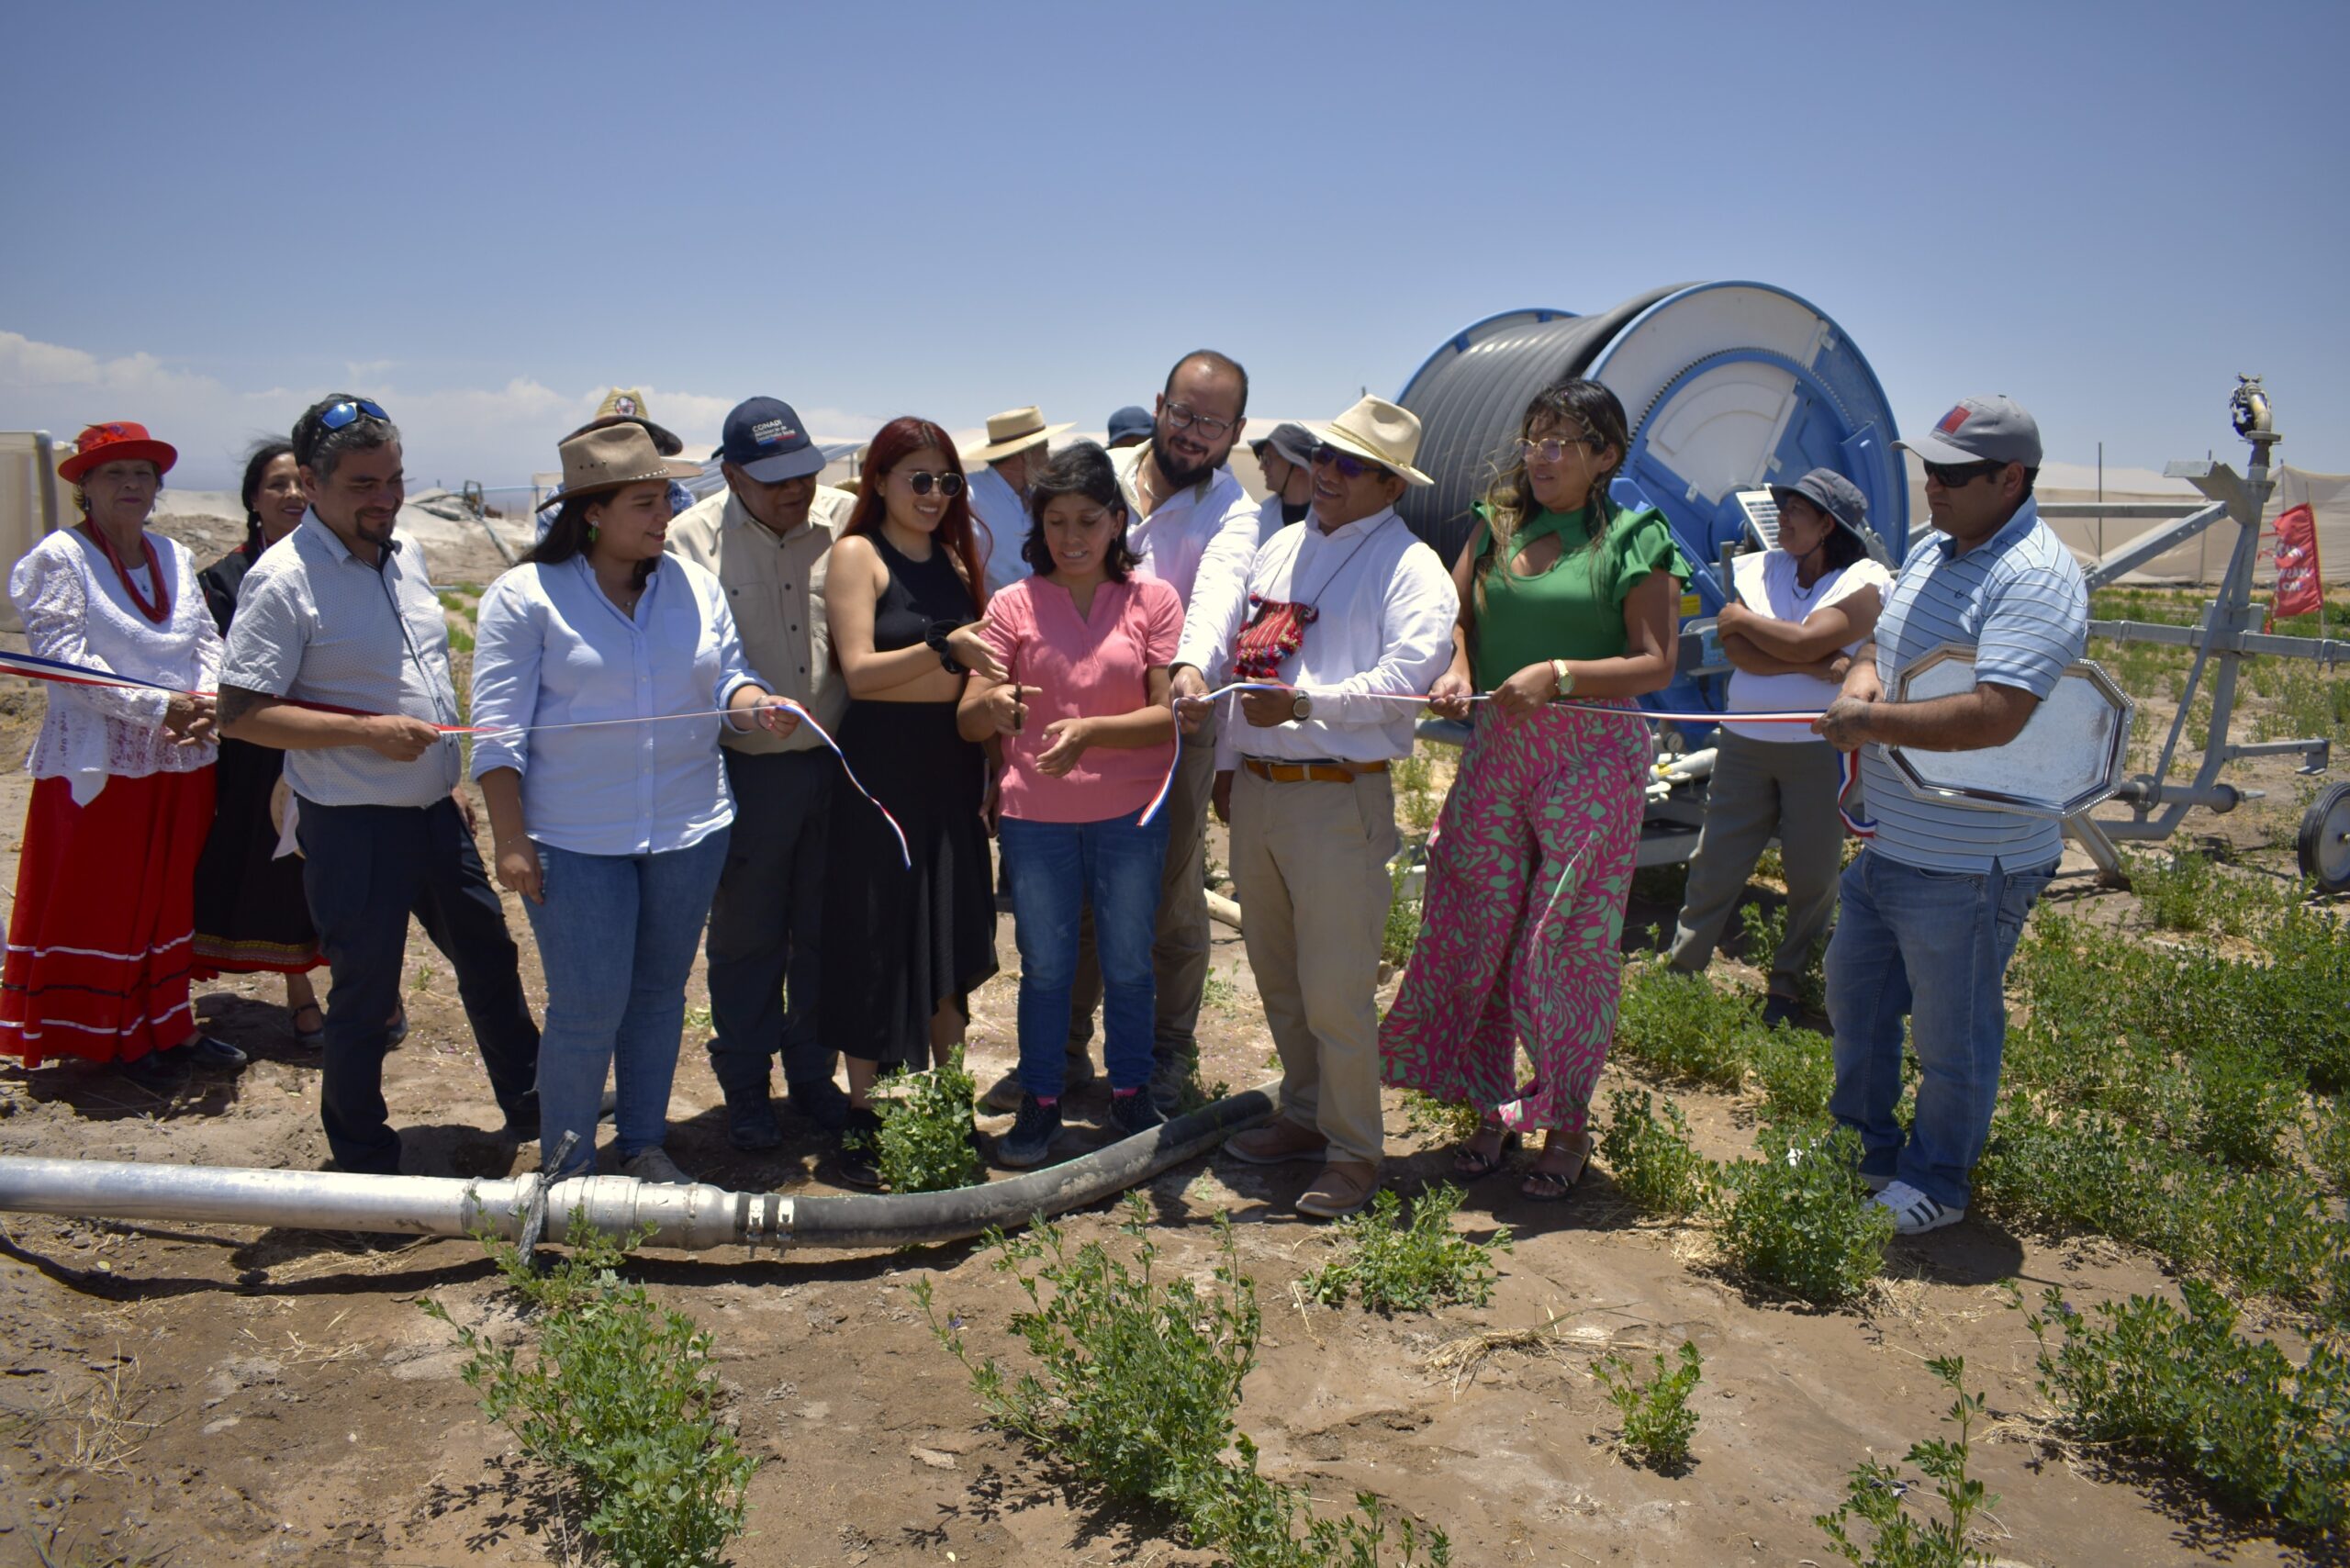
(957,531)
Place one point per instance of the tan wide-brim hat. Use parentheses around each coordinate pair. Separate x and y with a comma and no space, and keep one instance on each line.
(1381,432)
(1014,432)
(606,457)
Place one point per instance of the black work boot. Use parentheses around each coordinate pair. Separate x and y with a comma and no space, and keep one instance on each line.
(750,1120)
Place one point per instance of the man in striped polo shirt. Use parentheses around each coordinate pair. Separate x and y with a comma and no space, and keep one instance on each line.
(1933,907)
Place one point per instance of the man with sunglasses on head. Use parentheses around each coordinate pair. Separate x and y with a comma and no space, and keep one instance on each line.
(1194,527)
(340,657)
(1348,618)
(766,537)
(1932,909)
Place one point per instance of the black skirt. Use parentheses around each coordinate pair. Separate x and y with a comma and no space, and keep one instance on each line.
(251,914)
(899,942)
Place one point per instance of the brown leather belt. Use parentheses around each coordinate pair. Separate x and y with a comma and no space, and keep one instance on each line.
(1311,772)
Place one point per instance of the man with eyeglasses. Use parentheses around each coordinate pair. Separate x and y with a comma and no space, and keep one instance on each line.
(1932,909)
(1346,617)
(340,657)
(1192,526)
(766,536)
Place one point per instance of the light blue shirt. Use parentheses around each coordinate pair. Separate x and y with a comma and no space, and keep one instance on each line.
(2019,602)
(997,506)
(554,649)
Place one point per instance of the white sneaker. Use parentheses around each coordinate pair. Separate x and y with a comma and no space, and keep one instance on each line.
(655,1165)
(1914,1213)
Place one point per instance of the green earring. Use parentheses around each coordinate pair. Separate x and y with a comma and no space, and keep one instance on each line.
(591,533)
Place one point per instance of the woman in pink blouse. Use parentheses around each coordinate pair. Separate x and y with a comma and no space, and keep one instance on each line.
(1087,736)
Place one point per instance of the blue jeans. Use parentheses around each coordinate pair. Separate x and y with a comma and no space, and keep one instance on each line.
(1056,869)
(1932,945)
(616,936)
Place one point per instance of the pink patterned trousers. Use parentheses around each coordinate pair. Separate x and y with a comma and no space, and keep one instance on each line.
(1529,871)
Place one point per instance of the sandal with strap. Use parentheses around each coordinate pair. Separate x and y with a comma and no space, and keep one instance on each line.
(1474,1164)
(1549,1186)
(314,1035)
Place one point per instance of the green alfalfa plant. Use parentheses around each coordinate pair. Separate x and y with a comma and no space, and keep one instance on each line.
(1877,1495)
(1402,928)
(1678,1025)
(1654,1421)
(1798,1219)
(1134,1385)
(1393,1265)
(619,1399)
(925,1144)
(1765,930)
(2183,1389)
(1652,1162)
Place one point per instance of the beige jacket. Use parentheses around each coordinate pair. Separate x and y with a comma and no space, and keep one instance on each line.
(775,587)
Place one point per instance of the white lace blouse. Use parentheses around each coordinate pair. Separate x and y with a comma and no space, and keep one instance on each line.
(75,608)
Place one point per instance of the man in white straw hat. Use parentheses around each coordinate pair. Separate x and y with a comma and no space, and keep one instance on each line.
(1018,441)
(1346,613)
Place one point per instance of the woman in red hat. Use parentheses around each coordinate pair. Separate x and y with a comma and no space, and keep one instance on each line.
(100,941)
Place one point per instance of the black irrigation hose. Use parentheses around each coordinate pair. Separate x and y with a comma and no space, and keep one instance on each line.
(913,1219)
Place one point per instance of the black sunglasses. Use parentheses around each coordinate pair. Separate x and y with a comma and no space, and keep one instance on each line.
(1349,465)
(337,415)
(922,479)
(1954,475)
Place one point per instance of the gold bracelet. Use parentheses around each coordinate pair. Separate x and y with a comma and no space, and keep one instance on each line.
(1564,677)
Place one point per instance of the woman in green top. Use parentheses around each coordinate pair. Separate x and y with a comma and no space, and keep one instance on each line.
(1563,593)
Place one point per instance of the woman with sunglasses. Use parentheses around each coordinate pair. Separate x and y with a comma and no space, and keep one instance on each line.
(251,916)
(97,962)
(905,945)
(1087,735)
(1562,594)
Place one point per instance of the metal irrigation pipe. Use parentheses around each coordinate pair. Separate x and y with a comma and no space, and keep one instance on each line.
(691,1219)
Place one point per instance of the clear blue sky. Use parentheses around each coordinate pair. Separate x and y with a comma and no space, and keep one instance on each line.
(486,213)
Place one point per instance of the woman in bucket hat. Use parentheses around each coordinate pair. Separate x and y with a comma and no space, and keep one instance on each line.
(99,938)
(1802,609)
(604,669)
(1563,592)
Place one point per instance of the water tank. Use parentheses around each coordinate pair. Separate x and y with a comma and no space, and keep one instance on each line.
(1727,386)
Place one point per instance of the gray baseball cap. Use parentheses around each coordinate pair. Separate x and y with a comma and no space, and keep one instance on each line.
(1292,439)
(1833,494)
(1980,430)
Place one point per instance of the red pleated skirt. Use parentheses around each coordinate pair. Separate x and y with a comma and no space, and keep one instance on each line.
(100,940)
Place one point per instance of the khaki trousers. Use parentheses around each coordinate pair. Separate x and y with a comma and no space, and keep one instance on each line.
(1180,947)
(1310,862)
(1759,788)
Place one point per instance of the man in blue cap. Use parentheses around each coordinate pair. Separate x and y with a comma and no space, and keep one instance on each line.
(1933,908)
(1130,426)
(766,536)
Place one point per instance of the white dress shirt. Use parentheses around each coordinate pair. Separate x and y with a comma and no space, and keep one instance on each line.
(555,649)
(1385,608)
(1199,540)
(1006,517)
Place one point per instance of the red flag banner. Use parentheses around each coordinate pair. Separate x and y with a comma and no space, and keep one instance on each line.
(2299,588)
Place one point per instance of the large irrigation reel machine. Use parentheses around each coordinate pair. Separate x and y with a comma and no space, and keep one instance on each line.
(1732,387)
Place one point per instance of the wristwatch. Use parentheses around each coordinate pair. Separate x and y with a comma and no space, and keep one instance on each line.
(1562,675)
(1301,707)
(937,643)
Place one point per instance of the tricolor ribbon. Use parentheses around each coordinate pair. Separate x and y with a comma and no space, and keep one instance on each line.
(35,666)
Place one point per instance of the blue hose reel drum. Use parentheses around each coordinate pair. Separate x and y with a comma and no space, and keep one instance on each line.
(1729,386)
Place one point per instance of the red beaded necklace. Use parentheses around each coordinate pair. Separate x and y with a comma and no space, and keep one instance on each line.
(159,612)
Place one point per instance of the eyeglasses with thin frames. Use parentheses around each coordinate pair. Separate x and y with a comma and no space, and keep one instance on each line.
(921,480)
(1179,416)
(1547,451)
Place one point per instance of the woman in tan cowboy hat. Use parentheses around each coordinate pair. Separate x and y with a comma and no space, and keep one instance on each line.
(605,668)
(1563,592)
(98,940)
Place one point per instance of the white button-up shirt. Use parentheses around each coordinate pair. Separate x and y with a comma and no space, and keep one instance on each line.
(1199,540)
(1385,610)
(554,649)
(1005,516)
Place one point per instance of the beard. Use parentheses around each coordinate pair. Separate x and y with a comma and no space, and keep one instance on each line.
(1178,474)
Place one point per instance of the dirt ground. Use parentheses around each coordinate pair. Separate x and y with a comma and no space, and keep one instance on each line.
(209,1394)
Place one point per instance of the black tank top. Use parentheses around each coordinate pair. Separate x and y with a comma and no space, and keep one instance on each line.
(920,593)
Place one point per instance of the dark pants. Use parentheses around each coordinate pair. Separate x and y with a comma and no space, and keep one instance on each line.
(365,869)
(767,923)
